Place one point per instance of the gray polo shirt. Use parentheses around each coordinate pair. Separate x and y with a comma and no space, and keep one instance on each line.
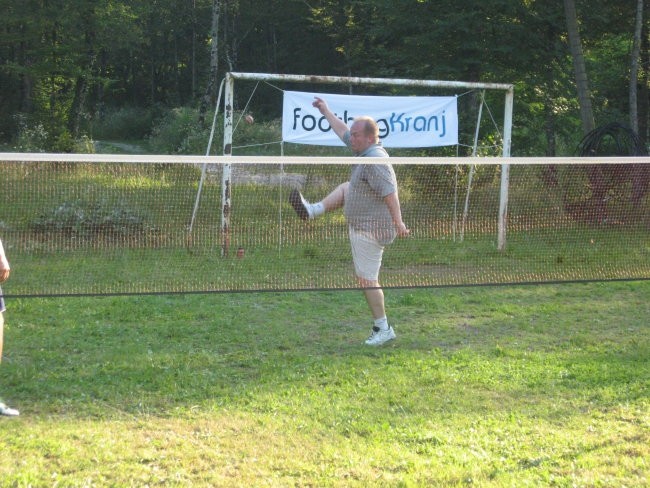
(364,208)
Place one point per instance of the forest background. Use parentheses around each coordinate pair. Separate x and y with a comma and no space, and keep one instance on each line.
(74,71)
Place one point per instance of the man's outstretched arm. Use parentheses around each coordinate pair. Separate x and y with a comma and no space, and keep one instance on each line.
(337,125)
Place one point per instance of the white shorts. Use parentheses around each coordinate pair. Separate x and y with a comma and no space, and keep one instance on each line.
(366,255)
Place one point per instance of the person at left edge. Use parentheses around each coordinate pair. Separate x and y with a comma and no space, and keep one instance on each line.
(4,275)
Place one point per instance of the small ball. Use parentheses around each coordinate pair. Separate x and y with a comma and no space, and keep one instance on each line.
(249,119)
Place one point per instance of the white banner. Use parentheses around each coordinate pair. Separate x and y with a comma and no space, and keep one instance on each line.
(402,121)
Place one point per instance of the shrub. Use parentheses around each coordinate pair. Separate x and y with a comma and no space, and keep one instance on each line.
(84,218)
(179,132)
(36,137)
(125,123)
(31,137)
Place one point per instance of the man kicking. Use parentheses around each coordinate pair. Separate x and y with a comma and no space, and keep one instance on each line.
(372,210)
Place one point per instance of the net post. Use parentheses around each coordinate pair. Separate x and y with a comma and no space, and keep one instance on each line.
(228,116)
(505,169)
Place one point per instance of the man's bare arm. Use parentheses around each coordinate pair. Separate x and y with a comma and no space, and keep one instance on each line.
(338,126)
(392,201)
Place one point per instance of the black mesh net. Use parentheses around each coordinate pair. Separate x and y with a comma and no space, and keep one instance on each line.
(74,228)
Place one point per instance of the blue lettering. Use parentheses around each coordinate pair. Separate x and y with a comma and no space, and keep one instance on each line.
(433,119)
(397,120)
(435,122)
(321,126)
(384,129)
(312,122)
(420,124)
(295,117)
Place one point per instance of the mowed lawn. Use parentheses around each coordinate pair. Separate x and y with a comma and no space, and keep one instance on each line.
(487,386)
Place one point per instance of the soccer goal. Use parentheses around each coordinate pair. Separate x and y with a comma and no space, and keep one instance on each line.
(471,118)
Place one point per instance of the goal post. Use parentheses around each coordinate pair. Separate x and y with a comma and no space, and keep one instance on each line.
(229,114)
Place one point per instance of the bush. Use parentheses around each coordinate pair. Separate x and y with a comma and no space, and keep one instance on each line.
(31,137)
(124,124)
(179,132)
(86,218)
(36,137)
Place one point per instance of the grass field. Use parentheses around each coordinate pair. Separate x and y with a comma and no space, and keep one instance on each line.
(486,386)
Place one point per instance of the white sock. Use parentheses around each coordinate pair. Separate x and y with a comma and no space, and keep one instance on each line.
(313,209)
(382,323)
(316,209)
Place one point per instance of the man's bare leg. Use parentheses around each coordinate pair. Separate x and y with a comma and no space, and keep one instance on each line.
(336,198)
(332,201)
(374,297)
(381,331)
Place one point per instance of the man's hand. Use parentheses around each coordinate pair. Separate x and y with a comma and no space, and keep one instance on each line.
(402,230)
(4,265)
(321,105)
(4,271)
(392,202)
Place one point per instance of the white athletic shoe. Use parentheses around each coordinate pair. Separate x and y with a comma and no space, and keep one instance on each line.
(9,412)
(378,336)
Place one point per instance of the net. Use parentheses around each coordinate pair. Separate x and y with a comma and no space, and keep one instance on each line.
(107,224)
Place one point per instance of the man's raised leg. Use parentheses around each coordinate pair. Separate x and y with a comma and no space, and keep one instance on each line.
(306,210)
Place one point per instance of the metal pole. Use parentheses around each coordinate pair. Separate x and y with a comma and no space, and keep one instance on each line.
(505,169)
(226,178)
(355,80)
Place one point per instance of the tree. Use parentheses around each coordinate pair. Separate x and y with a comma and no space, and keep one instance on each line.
(210,93)
(582,84)
(634,66)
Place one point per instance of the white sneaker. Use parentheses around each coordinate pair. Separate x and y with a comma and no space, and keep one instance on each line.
(378,336)
(9,412)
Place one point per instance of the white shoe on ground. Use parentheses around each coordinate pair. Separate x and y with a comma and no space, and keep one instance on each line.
(379,337)
(9,412)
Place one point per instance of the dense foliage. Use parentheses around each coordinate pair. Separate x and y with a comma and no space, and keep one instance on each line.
(68,66)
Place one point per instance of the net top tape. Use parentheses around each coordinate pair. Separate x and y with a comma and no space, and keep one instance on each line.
(321,160)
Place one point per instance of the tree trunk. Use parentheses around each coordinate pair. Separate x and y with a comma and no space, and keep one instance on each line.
(634,67)
(575,45)
(643,101)
(193,56)
(597,182)
(641,172)
(78,107)
(211,89)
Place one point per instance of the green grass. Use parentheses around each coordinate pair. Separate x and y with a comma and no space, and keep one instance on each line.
(493,386)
